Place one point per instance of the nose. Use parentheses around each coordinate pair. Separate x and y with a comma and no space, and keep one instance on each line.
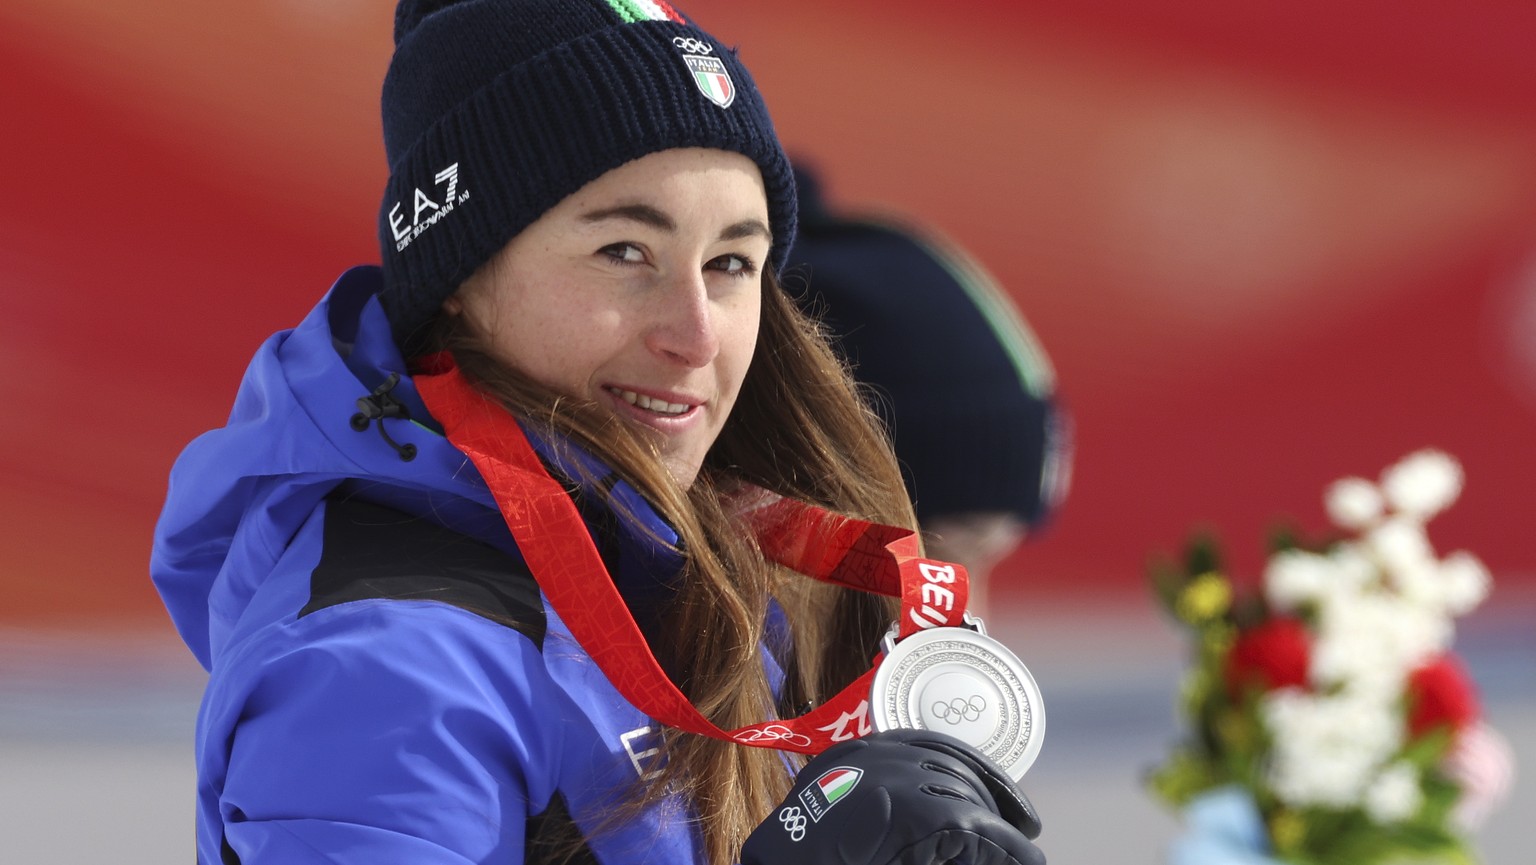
(684,330)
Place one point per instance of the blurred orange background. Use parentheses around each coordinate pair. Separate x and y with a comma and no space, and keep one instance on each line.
(1266,245)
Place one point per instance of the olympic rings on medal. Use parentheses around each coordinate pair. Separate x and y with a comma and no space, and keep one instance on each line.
(794,822)
(957,710)
(692,45)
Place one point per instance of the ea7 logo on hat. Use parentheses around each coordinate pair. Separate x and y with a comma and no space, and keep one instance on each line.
(426,209)
(709,73)
(829,789)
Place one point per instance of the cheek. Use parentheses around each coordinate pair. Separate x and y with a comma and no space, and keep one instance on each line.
(738,342)
(558,345)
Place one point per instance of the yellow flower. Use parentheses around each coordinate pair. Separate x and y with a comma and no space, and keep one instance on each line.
(1206,597)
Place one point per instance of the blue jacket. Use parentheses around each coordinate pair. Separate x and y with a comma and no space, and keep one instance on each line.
(386,683)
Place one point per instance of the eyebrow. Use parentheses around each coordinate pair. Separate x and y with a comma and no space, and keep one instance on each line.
(651,216)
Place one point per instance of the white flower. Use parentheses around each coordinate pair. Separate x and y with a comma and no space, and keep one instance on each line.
(1419,583)
(1296,577)
(1353,503)
(1370,642)
(1400,545)
(1331,777)
(1340,654)
(1423,483)
(1353,570)
(1394,795)
(1327,748)
(1464,583)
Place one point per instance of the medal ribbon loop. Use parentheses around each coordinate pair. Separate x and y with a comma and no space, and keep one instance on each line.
(559,551)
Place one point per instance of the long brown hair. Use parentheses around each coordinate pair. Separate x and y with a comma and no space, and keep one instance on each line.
(799,429)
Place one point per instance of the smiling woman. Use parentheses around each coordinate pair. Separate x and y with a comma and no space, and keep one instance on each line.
(496,558)
(640,293)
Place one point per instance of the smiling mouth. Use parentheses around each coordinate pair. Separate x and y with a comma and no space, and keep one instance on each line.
(658,406)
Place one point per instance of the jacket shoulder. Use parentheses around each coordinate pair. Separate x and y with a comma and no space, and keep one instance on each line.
(374,552)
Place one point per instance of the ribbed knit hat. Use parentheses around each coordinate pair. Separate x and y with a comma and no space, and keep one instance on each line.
(496,110)
(964,385)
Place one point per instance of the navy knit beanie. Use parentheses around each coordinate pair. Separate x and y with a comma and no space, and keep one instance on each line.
(969,395)
(496,110)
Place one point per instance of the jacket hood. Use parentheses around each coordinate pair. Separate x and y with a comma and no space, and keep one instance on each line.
(330,403)
(239,493)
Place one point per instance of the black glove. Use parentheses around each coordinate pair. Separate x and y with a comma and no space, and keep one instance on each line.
(899,797)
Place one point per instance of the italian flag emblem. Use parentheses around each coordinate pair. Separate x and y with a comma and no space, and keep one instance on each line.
(713,81)
(630,11)
(829,789)
(709,73)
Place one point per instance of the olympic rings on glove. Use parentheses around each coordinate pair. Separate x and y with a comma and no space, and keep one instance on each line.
(794,822)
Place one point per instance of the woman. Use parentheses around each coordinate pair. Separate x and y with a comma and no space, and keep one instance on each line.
(585,210)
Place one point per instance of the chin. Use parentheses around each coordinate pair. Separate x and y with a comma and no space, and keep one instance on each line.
(683,471)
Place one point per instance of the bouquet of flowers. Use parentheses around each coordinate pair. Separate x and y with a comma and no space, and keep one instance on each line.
(1328,707)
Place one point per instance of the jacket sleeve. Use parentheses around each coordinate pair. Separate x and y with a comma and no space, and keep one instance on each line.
(388,731)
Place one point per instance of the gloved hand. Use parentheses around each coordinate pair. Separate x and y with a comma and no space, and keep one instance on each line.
(899,797)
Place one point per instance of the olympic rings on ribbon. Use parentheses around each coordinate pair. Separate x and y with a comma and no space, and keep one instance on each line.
(773,733)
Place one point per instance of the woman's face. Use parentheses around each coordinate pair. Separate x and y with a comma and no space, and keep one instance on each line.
(642,292)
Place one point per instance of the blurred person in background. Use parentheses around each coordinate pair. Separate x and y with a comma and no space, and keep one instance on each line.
(953,370)
(493,561)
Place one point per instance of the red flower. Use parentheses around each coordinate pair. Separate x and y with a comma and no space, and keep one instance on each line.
(1441,694)
(1271,655)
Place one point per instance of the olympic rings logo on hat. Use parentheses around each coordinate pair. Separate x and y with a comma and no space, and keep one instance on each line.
(692,45)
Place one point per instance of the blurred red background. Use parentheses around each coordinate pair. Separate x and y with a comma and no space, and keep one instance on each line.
(1265,244)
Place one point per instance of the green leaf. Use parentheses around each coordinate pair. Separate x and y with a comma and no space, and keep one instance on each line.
(1283,536)
(1429,749)
(1202,553)
(1186,775)
(1167,582)
(1440,797)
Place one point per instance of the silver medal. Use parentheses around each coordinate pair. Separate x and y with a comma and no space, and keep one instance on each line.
(961,682)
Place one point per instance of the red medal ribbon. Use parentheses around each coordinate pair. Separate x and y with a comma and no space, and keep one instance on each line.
(558,549)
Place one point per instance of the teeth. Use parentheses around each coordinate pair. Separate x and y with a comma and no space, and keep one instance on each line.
(645,402)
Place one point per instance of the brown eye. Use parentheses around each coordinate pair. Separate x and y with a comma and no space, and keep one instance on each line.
(626,253)
(733,265)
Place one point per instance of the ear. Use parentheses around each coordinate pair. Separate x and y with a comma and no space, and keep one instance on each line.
(453,305)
